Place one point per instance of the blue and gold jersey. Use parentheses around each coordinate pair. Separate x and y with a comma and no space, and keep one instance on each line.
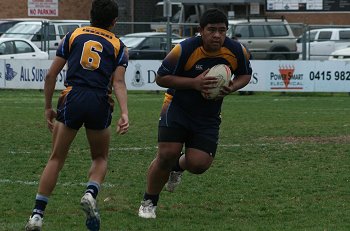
(92,56)
(189,59)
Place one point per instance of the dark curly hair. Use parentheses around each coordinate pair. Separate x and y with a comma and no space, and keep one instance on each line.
(103,12)
(213,16)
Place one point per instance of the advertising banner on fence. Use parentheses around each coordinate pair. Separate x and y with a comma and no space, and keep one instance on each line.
(27,74)
(300,76)
(140,75)
(270,76)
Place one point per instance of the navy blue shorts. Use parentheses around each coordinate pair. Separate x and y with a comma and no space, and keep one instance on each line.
(78,106)
(176,125)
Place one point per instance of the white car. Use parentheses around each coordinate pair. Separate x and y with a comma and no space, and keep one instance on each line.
(18,48)
(320,43)
(341,54)
(46,33)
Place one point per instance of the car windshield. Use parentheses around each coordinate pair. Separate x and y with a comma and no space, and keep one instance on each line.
(131,41)
(22,31)
(65,28)
(309,36)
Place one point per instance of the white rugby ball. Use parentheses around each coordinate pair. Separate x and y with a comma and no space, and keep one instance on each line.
(223,73)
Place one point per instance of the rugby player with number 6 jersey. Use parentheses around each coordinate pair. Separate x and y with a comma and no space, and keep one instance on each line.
(97,62)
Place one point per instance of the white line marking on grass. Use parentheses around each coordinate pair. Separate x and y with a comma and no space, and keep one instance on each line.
(132,148)
(263,144)
(109,185)
(155,147)
(19,152)
(21,182)
(221,145)
(7,181)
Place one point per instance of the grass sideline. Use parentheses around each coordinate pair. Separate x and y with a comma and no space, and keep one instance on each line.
(282,164)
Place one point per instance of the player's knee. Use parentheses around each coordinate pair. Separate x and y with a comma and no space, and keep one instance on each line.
(167,160)
(198,163)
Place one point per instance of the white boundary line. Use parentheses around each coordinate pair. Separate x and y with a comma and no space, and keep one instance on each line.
(155,148)
(109,185)
(21,182)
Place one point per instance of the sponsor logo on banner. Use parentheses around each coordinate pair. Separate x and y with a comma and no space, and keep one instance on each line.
(286,78)
(9,72)
(137,80)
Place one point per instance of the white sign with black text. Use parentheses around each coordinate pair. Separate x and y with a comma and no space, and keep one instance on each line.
(42,8)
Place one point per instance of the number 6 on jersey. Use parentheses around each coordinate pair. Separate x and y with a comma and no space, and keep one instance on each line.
(90,59)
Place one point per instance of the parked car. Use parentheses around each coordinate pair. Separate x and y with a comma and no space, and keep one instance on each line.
(6,24)
(18,48)
(147,45)
(46,34)
(265,38)
(341,54)
(174,42)
(320,43)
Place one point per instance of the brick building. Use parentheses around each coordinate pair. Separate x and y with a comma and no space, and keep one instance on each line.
(67,9)
(129,11)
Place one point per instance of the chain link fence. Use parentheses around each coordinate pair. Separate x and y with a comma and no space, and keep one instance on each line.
(308,41)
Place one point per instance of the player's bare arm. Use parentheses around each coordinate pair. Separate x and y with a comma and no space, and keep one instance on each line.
(235,84)
(120,92)
(50,83)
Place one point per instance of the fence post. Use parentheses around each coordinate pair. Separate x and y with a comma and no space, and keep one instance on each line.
(167,10)
(305,38)
(45,36)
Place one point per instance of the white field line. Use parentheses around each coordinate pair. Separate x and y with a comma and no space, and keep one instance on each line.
(66,184)
(154,148)
(106,184)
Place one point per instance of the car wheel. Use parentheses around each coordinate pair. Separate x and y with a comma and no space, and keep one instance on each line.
(279,57)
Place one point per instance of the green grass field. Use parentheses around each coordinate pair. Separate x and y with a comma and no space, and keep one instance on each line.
(283,163)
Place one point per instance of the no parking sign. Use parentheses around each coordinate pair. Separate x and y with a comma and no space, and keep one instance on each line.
(42,7)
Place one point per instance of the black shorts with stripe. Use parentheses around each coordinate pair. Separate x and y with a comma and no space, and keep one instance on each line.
(195,131)
(78,106)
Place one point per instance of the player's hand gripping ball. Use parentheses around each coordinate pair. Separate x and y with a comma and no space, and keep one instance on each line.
(223,73)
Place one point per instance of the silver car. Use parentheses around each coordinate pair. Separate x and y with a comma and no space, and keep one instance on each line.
(265,38)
